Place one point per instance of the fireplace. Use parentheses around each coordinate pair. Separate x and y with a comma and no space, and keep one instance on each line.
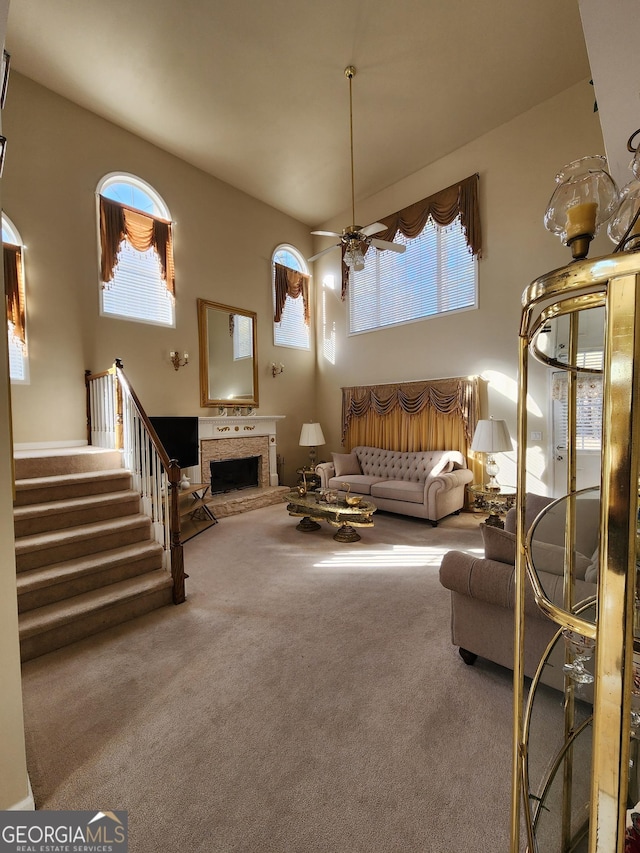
(229,475)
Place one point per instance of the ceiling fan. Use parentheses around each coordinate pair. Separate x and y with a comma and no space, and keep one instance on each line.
(353,237)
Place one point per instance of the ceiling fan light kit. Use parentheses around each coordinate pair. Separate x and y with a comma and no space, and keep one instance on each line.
(355,238)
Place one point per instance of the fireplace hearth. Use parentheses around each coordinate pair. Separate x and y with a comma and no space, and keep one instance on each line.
(229,475)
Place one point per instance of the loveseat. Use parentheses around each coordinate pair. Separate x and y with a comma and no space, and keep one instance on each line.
(483,587)
(427,484)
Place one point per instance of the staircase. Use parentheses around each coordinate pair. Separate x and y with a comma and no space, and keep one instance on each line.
(85,558)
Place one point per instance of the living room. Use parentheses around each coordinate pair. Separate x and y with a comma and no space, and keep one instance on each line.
(58,152)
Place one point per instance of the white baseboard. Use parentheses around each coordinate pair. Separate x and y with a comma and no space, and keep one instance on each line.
(26,805)
(48,445)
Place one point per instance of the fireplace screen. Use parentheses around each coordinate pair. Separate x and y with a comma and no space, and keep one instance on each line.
(227,475)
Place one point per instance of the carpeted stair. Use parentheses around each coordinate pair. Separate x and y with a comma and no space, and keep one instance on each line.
(85,558)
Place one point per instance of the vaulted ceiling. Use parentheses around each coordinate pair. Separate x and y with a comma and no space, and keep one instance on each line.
(254,92)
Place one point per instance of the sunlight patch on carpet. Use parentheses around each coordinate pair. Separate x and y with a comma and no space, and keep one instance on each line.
(395,557)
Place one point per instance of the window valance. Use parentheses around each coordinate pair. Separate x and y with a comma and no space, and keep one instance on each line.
(118,222)
(447,396)
(291,283)
(13,282)
(443,207)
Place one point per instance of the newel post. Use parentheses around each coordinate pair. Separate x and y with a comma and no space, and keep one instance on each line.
(177,556)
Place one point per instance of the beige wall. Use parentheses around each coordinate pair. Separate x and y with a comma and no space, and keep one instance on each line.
(223,245)
(224,241)
(517,163)
(14,784)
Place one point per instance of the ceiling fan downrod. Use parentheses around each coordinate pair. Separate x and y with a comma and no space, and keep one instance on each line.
(350,73)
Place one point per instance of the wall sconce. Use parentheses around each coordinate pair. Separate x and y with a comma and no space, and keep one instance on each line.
(178,360)
(276,369)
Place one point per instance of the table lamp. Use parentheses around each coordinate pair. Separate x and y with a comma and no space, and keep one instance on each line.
(311,436)
(491,436)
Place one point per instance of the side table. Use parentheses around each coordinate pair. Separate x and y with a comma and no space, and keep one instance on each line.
(309,476)
(495,502)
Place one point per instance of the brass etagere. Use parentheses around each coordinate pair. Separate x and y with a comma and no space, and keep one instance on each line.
(589,781)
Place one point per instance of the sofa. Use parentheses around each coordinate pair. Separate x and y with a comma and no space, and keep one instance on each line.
(483,587)
(427,484)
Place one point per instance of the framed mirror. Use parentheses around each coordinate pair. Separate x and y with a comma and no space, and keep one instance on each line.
(228,355)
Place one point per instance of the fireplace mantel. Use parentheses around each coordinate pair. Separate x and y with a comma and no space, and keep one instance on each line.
(239,426)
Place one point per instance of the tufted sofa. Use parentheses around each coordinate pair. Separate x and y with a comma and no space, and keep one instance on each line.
(427,484)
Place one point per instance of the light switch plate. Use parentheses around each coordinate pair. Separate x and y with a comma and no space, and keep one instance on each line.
(536,435)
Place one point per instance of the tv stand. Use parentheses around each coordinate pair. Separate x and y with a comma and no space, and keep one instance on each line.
(195,512)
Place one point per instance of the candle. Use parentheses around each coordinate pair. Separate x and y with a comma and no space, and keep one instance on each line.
(581,219)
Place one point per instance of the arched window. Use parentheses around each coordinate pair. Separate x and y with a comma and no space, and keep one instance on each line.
(291,298)
(136,252)
(13,257)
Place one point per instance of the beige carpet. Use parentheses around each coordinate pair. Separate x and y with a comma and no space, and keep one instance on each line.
(305,698)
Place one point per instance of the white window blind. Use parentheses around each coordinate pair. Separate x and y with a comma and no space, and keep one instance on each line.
(242,337)
(137,291)
(436,274)
(588,405)
(291,331)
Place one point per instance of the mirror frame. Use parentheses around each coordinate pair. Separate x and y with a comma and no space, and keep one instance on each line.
(204,306)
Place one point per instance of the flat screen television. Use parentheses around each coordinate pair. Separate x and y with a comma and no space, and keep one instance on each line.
(179,435)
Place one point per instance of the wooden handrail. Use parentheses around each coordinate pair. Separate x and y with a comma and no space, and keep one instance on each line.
(116,424)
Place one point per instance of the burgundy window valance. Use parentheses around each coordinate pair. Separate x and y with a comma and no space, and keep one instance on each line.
(293,283)
(443,207)
(14,288)
(119,222)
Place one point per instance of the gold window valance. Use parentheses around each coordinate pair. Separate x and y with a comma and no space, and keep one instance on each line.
(458,396)
(293,283)
(443,207)
(118,223)
(14,288)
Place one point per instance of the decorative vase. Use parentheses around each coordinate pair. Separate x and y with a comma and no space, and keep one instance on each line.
(185,482)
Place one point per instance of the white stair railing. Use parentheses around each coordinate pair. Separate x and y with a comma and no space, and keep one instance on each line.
(116,420)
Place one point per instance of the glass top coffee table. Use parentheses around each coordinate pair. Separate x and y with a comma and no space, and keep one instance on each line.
(311,508)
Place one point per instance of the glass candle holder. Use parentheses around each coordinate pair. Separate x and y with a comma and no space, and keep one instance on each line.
(585,198)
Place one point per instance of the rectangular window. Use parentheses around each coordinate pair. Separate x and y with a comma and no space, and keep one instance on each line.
(436,274)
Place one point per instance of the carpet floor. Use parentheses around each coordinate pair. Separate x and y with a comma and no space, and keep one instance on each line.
(305,698)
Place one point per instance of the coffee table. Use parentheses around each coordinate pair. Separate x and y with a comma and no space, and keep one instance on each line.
(338,514)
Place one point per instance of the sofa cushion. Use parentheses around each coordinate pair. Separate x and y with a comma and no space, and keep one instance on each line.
(591,574)
(398,490)
(500,545)
(360,484)
(346,463)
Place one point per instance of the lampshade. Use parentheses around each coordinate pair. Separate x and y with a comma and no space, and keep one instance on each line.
(491,436)
(311,435)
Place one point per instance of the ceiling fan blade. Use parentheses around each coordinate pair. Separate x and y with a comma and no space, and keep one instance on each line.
(374,228)
(323,252)
(384,244)
(327,233)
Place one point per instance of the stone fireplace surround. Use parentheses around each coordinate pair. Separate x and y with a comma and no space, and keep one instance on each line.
(237,437)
